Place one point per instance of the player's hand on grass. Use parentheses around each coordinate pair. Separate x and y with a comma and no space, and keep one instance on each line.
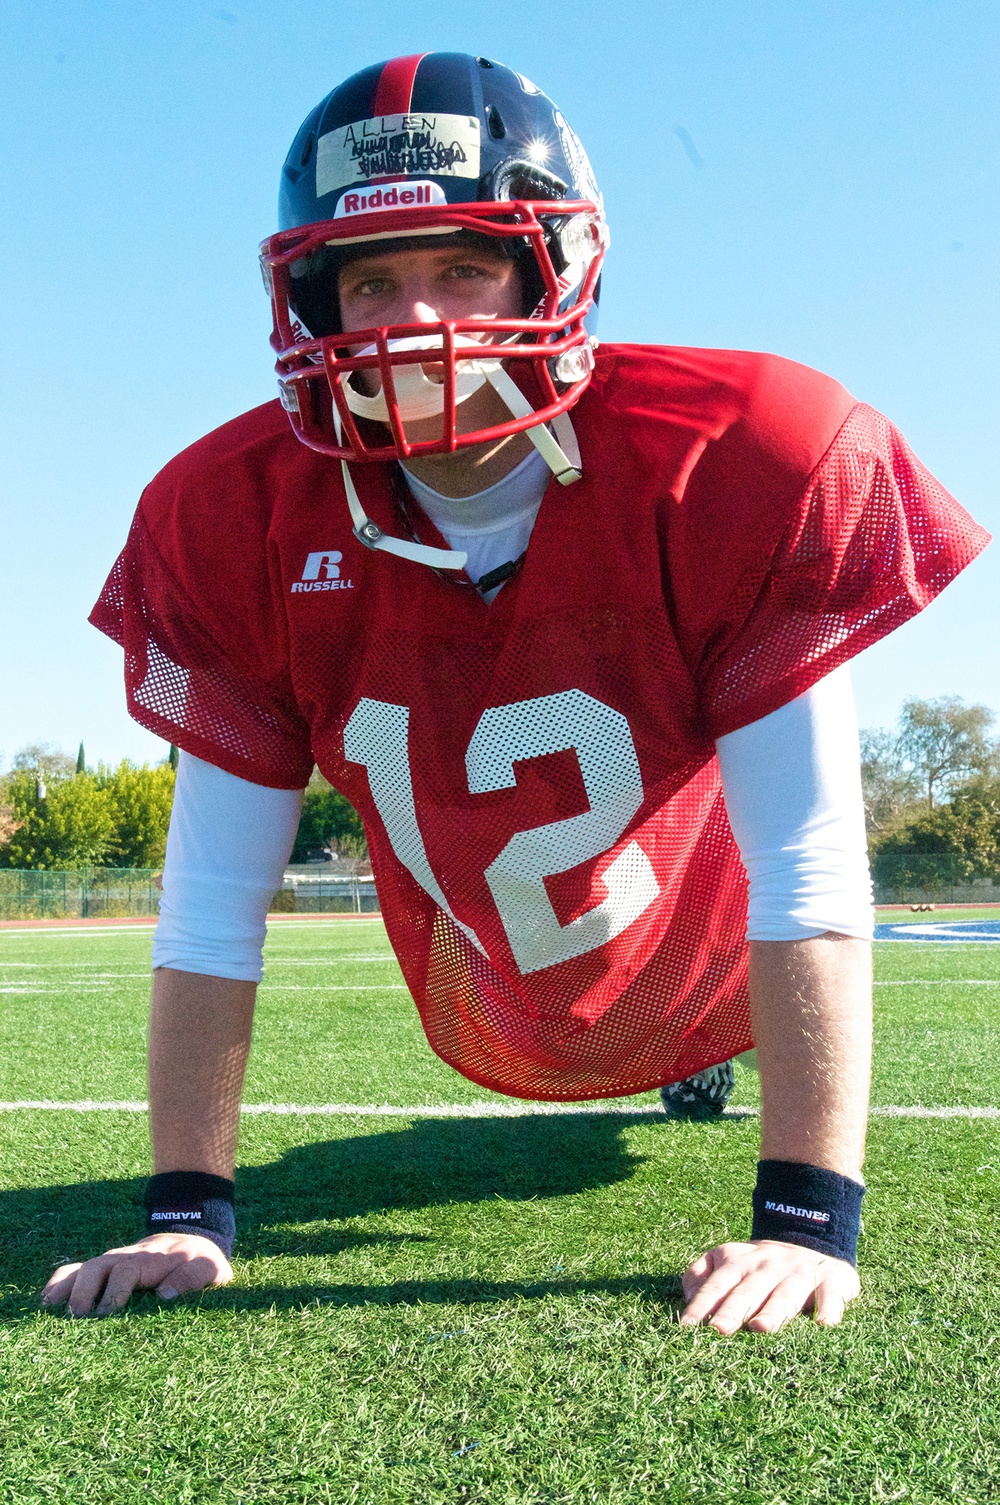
(761,1285)
(168,1263)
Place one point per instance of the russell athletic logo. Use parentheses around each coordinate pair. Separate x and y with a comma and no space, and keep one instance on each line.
(322,573)
(809,1213)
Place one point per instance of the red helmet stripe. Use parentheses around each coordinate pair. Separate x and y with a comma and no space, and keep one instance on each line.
(395,87)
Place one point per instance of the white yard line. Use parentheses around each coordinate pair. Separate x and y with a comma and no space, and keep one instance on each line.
(334,959)
(458,1110)
(81,930)
(332,987)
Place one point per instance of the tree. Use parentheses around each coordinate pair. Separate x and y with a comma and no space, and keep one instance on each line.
(9,822)
(966,831)
(945,742)
(81,761)
(329,821)
(72,826)
(117,817)
(43,761)
(888,785)
(140,800)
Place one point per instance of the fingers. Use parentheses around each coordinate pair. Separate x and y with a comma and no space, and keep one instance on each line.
(723,1274)
(59,1284)
(207,1268)
(827,1290)
(785,1300)
(696,1273)
(89,1285)
(745,1295)
(169,1263)
(120,1281)
(106,1283)
(834,1291)
(761,1285)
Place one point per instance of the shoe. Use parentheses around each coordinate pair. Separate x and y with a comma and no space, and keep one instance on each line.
(699,1097)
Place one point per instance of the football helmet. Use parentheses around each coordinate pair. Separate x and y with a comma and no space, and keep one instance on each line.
(435,144)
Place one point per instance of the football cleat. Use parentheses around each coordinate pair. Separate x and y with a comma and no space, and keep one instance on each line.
(701,1096)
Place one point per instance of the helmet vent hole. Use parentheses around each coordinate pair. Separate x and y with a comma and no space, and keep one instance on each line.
(484,62)
(307,150)
(494,121)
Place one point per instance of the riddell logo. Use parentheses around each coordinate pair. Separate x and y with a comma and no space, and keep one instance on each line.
(322,573)
(395,196)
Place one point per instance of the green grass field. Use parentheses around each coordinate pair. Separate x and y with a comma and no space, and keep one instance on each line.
(481,1309)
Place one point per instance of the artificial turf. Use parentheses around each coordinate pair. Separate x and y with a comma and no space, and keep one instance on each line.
(484,1310)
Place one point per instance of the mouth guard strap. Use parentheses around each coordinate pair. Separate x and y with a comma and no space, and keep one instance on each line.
(563,468)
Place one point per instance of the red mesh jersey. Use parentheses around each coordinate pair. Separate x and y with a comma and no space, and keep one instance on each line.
(536,776)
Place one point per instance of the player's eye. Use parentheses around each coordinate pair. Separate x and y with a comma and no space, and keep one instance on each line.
(465,271)
(371,287)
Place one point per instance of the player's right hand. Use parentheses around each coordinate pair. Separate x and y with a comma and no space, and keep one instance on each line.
(168,1263)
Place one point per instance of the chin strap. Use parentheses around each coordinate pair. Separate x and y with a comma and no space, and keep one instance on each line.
(372,536)
(368,532)
(565,467)
(562,456)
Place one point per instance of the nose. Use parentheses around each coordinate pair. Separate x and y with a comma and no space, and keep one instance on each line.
(424,314)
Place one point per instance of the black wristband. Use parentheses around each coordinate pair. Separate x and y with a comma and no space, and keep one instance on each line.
(192,1202)
(804,1204)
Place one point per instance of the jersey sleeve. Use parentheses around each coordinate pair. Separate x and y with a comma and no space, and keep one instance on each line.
(191,603)
(777,583)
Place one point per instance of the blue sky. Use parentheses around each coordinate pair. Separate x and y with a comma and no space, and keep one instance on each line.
(813,179)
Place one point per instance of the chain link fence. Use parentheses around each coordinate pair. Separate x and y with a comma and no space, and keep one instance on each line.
(929,878)
(80,894)
(113,893)
(118,893)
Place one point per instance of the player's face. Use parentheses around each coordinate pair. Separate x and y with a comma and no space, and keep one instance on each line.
(424,285)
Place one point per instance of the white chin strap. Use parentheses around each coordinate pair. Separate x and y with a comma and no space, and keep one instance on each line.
(417,396)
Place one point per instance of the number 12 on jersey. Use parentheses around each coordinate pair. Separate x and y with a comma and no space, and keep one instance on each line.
(377,736)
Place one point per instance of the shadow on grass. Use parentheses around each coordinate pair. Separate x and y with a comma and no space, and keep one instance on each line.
(429,1163)
(658,1288)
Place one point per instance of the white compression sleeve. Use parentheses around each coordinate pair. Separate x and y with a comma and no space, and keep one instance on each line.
(792,783)
(227,848)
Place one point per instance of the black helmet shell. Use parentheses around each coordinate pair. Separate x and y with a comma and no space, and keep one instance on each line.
(459,128)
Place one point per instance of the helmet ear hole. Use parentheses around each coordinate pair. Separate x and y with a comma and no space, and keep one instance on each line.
(516,179)
(494,121)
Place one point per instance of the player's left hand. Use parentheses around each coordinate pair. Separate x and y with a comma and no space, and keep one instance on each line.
(760,1285)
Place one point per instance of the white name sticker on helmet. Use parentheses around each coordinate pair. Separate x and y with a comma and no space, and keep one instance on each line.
(405,195)
(398,146)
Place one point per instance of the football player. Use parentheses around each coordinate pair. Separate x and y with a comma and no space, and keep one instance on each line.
(568,625)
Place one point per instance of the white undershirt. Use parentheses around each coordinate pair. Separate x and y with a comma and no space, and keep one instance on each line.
(792,785)
(494,525)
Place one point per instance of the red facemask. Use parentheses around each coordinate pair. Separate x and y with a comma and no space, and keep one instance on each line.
(539,365)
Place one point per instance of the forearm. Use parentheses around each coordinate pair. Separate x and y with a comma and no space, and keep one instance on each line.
(812,1023)
(199,1040)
